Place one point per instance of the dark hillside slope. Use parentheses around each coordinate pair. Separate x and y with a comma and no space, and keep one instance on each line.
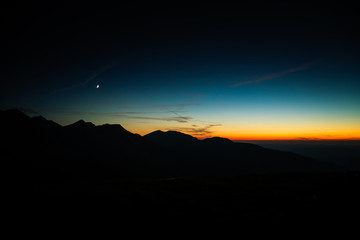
(85,150)
(222,156)
(87,172)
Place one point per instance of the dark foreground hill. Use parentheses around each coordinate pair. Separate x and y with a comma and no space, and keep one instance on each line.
(83,170)
(83,148)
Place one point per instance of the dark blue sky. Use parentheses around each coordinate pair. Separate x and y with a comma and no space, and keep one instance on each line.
(246,71)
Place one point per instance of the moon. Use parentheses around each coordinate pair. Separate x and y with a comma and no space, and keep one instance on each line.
(97,86)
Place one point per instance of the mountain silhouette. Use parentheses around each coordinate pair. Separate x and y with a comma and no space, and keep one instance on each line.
(81,124)
(41,122)
(171,139)
(82,146)
(218,140)
(170,175)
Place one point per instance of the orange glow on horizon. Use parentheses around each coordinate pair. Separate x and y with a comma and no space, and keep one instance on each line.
(292,136)
(258,132)
(288,132)
(288,137)
(280,136)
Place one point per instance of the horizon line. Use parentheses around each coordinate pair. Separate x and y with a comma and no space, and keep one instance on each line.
(304,139)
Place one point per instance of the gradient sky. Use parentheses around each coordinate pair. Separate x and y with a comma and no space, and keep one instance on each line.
(286,71)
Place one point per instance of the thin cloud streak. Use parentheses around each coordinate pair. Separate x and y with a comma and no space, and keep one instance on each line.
(129,115)
(175,105)
(168,119)
(275,75)
(28,111)
(85,82)
(203,131)
(106,103)
(166,106)
(75,85)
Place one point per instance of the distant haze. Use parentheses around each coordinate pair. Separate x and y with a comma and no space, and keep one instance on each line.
(344,153)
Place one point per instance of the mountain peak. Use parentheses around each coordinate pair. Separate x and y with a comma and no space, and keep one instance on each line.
(170,133)
(171,138)
(15,113)
(218,140)
(115,128)
(39,118)
(14,117)
(40,121)
(81,123)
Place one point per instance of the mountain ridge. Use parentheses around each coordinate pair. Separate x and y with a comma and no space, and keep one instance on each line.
(81,146)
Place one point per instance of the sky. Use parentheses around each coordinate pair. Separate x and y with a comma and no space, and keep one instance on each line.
(246,72)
